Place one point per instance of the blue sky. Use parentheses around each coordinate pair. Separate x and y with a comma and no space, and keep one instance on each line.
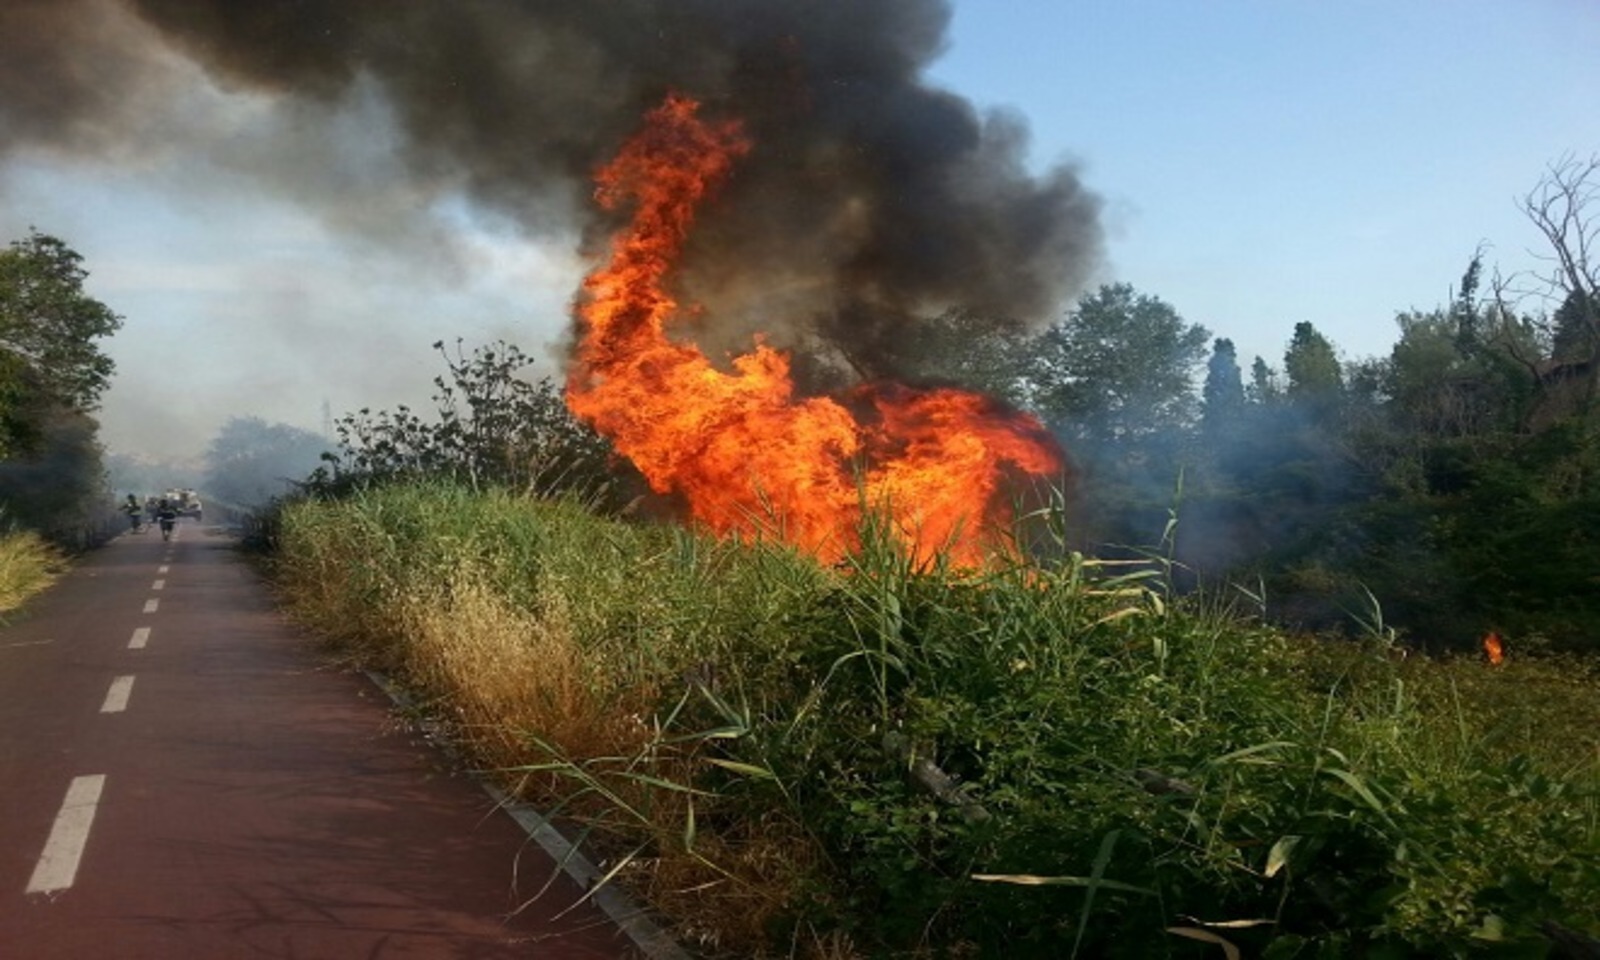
(1261,163)
(1265,163)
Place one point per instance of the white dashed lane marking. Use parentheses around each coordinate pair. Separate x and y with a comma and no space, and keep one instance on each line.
(25,643)
(151,605)
(141,637)
(117,696)
(58,864)
(163,568)
(159,585)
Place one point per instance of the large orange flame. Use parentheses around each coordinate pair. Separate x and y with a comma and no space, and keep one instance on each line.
(746,454)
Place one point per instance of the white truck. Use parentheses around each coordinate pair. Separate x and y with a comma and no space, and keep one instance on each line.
(185,500)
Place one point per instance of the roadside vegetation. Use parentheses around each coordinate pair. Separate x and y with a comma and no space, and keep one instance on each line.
(1081,750)
(27,565)
(52,375)
(1054,757)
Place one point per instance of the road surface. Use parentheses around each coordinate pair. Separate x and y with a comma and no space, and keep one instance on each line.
(182,776)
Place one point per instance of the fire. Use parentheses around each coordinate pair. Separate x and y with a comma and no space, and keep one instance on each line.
(1493,649)
(747,455)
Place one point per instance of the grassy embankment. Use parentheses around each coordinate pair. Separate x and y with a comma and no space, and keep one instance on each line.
(760,741)
(27,565)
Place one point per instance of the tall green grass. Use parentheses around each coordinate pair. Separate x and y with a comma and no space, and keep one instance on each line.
(1044,759)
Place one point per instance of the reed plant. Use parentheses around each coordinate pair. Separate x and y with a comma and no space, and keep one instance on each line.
(1052,756)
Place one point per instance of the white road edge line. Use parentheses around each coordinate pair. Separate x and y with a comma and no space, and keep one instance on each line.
(117,696)
(141,636)
(26,643)
(159,585)
(651,940)
(58,864)
(151,605)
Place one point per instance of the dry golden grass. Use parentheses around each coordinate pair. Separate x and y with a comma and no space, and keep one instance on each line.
(27,566)
(729,890)
(507,674)
(561,699)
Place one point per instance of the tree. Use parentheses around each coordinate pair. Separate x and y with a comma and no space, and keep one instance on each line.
(971,351)
(1119,367)
(251,461)
(1469,332)
(1312,366)
(1574,338)
(1562,207)
(48,329)
(57,487)
(494,429)
(1222,398)
(1434,387)
(1264,388)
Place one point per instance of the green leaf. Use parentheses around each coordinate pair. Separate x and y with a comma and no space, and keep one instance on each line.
(1249,752)
(689,826)
(1278,856)
(1362,790)
(746,769)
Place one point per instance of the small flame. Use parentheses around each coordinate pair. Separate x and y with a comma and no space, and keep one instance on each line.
(744,452)
(1493,649)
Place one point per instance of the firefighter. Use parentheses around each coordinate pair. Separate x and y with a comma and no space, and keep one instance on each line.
(135,512)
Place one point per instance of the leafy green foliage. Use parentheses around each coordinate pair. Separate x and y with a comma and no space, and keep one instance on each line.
(51,376)
(1048,760)
(1576,328)
(492,429)
(48,329)
(1120,366)
(1312,366)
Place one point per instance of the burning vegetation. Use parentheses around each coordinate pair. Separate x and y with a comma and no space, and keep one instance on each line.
(1141,760)
(865,201)
(745,452)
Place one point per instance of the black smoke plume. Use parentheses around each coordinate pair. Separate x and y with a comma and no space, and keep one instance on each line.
(870,197)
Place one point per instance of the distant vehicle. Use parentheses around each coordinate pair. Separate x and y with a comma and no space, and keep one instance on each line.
(185,501)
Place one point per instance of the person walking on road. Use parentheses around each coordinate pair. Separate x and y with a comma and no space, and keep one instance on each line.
(166,515)
(135,512)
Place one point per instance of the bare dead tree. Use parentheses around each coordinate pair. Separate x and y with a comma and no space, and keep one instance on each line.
(1565,207)
(1506,328)
(1517,338)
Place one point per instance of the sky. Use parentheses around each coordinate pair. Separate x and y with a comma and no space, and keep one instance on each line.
(1259,163)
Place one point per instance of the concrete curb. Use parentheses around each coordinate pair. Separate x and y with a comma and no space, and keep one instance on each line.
(652,941)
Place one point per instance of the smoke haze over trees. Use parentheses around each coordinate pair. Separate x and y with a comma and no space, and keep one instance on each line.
(251,461)
(1455,479)
(870,198)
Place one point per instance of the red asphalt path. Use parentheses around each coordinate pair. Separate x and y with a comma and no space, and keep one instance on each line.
(254,802)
